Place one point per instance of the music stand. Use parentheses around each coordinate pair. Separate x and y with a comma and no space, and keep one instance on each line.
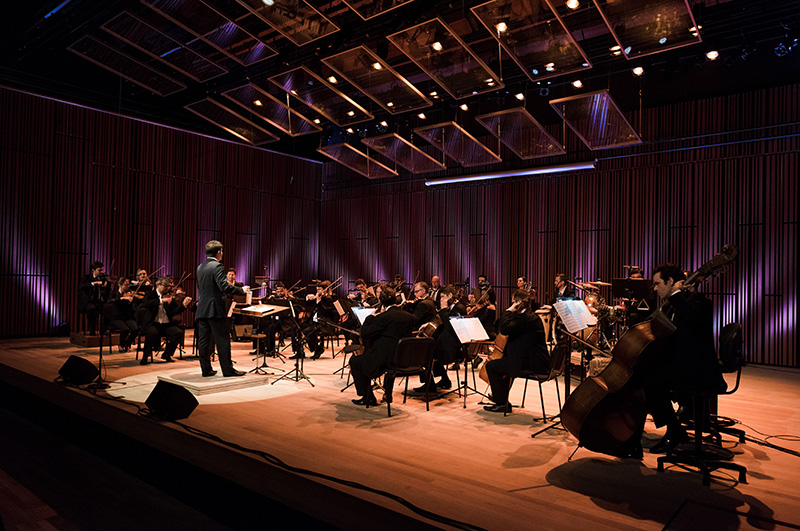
(297,373)
(258,312)
(468,330)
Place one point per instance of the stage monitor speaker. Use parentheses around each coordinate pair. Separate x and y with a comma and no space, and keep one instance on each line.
(170,402)
(78,371)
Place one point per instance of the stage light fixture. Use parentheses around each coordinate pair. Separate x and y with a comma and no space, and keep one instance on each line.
(269,3)
(349,130)
(712,55)
(550,67)
(333,79)
(577,83)
(573,4)
(520,96)
(351,113)
(501,27)
(638,71)
(515,173)
(464,107)
(421,116)
(377,66)
(437,46)
(258,103)
(316,120)
(390,104)
(385,123)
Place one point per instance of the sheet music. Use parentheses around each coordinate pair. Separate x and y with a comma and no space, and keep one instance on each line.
(468,329)
(262,310)
(575,315)
(230,310)
(338,306)
(362,313)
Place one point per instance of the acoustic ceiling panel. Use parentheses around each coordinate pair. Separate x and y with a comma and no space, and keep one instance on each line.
(520,131)
(375,78)
(435,48)
(398,149)
(643,27)
(458,144)
(296,20)
(357,161)
(272,110)
(126,66)
(367,9)
(231,121)
(534,36)
(309,88)
(597,120)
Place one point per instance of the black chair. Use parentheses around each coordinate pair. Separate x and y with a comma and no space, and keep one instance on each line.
(731,360)
(710,456)
(558,359)
(413,356)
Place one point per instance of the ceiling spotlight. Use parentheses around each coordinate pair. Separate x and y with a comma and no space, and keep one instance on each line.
(434,93)
(268,2)
(351,113)
(573,4)
(349,130)
(421,116)
(385,123)
(662,40)
(258,103)
(377,66)
(638,71)
(501,27)
(333,79)
(535,71)
(577,83)
(550,67)
(293,91)
(464,107)
(390,104)
(316,120)
(520,96)
(712,55)
(437,46)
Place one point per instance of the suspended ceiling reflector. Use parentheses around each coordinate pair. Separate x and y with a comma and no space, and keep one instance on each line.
(231,121)
(272,110)
(435,48)
(519,130)
(375,78)
(458,144)
(597,120)
(367,9)
(294,19)
(347,155)
(534,36)
(126,66)
(398,149)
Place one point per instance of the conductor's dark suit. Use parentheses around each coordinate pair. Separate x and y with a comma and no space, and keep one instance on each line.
(385,330)
(211,317)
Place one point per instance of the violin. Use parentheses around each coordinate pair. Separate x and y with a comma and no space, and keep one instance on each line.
(606,410)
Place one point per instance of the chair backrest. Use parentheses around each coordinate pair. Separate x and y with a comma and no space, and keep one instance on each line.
(413,352)
(731,356)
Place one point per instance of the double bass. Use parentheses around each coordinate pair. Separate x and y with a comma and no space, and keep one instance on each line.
(606,410)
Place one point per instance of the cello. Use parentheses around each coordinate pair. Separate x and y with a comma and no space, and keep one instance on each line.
(606,410)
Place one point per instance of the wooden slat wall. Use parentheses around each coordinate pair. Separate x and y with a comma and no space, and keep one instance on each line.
(78,185)
(711,172)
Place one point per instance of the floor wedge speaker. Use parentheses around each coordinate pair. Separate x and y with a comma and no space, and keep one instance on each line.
(78,371)
(170,402)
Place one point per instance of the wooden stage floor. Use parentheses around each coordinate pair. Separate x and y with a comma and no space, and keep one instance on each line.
(450,467)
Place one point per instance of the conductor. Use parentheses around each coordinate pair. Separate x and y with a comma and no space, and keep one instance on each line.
(212,321)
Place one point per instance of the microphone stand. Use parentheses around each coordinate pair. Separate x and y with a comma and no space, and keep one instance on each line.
(297,373)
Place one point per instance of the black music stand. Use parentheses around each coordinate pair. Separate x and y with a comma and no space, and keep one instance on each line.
(472,333)
(297,373)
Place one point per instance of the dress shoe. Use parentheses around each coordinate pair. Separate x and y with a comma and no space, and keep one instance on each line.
(499,408)
(366,401)
(209,373)
(444,383)
(426,388)
(316,356)
(143,361)
(234,373)
(669,442)
(297,356)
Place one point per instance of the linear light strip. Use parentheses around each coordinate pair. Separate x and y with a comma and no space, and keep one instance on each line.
(517,173)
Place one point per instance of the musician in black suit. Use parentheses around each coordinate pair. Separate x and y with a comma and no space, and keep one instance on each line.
(94,290)
(230,276)
(688,360)
(436,290)
(121,315)
(384,329)
(424,308)
(525,349)
(159,308)
(211,318)
(563,289)
(447,348)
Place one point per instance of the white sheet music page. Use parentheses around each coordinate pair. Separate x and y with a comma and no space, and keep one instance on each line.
(338,306)
(575,315)
(362,313)
(469,329)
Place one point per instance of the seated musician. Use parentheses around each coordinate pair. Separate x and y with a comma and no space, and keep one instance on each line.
(525,350)
(563,290)
(688,361)
(94,290)
(284,324)
(320,311)
(142,283)
(160,310)
(436,290)
(422,306)
(383,329)
(448,347)
(482,305)
(121,314)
